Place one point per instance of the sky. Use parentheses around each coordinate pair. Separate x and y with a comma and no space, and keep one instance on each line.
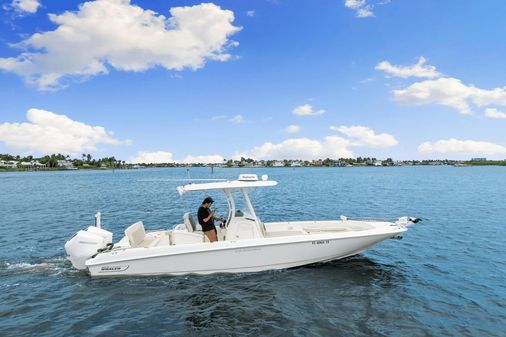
(187,81)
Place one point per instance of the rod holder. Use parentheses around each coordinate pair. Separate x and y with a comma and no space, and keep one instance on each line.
(98,220)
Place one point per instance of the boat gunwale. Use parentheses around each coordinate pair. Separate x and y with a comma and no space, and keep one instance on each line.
(322,236)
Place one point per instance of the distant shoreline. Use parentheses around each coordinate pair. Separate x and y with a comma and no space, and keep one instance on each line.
(57,162)
(141,167)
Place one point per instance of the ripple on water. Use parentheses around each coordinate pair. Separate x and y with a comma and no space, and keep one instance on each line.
(447,277)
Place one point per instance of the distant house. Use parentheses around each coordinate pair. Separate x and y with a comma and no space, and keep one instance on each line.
(9,164)
(66,164)
(32,164)
(278,163)
(378,163)
(37,164)
(296,164)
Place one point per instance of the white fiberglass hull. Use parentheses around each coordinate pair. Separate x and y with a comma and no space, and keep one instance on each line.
(236,257)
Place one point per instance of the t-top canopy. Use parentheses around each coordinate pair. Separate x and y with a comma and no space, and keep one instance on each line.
(225,185)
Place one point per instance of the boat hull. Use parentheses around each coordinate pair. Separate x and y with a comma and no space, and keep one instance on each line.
(233,257)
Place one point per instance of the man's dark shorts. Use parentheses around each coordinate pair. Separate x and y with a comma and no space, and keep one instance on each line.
(208,227)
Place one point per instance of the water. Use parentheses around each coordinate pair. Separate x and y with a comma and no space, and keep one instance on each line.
(446,277)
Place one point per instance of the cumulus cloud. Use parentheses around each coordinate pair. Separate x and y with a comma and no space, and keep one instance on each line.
(361,7)
(292,128)
(161,157)
(301,148)
(364,136)
(105,34)
(155,157)
(331,146)
(307,110)
(25,6)
(250,13)
(416,70)
(205,159)
(218,117)
(47,132)
(237,119)
(462,147)
(450,92)
(494,113)
(447,91)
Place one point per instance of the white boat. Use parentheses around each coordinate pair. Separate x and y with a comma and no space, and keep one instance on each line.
(246,244)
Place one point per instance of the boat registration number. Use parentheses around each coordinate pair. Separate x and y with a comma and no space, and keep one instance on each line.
(320,242)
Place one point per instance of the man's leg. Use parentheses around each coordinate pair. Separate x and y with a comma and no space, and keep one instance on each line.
(211,235)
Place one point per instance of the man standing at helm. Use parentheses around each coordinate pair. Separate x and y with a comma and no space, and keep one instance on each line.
(206,219)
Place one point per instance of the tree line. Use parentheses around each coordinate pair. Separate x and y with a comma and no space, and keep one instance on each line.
(52,160)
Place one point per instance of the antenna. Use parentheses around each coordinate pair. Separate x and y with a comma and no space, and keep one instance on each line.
(188,174)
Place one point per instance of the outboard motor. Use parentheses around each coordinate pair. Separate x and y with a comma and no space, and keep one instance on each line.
(85,244)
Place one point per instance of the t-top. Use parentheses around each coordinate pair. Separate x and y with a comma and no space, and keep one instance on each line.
(202,214)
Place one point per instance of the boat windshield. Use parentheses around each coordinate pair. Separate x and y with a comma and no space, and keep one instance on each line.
(241,205)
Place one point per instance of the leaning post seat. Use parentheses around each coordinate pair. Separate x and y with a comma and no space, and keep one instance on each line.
(190,223)
(190,227)
(137,236)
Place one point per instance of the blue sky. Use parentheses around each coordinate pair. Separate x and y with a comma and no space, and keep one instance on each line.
(265,79)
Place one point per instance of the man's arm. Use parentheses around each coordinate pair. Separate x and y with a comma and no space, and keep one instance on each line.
(209,217)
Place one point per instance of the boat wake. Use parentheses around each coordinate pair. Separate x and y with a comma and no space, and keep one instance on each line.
(52,265)
(179,180)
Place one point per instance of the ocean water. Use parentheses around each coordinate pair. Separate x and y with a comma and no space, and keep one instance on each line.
(447,277)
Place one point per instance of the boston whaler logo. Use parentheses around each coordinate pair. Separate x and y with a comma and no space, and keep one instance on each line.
(113,269)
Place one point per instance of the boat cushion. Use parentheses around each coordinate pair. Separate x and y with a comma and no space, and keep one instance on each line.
(135,234)
(182,237)
(189,222)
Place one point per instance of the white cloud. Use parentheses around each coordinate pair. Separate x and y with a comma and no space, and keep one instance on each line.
(307,110)
(450,92)
(331,146)
(124,36)
(462,147)
(206,159)
(364,136)
(361,7)
(292,128)
(250,13)
(162,157)
(447,91)
(301,148)
(416,70)
(367,80)
(156,157)
(215,118)
(25,6)
(494,113)
(47,132)
(238,119)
